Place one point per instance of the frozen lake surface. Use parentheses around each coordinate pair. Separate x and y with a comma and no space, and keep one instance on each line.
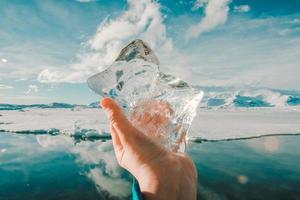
(209,124)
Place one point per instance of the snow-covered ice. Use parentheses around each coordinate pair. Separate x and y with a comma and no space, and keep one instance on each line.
(208,124)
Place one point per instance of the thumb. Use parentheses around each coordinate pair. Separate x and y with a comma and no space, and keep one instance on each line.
(125,130)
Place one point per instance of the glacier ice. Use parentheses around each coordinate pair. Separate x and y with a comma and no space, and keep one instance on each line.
(158,104)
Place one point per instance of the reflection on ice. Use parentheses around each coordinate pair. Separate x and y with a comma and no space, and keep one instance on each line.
(3,150)
(160,105)
(242,179)
(104,170)
(92,166)
(97,158)
(271,144)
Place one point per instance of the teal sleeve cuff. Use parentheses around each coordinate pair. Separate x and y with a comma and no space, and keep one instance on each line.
(136,191)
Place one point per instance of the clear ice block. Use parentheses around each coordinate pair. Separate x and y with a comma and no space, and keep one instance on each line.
(160,105)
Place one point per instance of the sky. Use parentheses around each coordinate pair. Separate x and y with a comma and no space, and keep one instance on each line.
(49,48)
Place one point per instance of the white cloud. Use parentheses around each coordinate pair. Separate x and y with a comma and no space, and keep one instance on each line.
(241,8)
(295,21)
(143,19)
(5,87)
(3,150)
(285,31)
(21,79)
(108,176)
(4,60)
(199,4)
(29,58)
(32,89)
(25,99)
(230,59)
(235,61)
(216,13)
(115,186)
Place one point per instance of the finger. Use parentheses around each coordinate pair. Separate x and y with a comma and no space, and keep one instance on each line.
(116,140)
(129,136)
(124,129)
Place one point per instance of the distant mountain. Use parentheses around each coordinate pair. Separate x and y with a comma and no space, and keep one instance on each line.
(214,97)
(246,101)
(293,100)
(95,104)
(51,105)
(11,107)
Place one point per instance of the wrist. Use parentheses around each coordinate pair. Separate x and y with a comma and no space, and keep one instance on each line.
(157,182)
(158,190)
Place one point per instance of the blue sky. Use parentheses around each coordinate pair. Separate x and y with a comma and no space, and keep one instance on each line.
(48,48)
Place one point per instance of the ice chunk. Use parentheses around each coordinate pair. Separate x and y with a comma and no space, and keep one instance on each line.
(130,77)
(158,104)
(137,49)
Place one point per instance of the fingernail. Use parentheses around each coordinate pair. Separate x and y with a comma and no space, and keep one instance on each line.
(105,102)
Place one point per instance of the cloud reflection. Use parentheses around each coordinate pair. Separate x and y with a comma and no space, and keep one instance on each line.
(99,160)
(268,144)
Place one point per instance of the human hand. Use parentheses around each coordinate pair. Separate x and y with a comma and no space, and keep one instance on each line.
(162,174)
